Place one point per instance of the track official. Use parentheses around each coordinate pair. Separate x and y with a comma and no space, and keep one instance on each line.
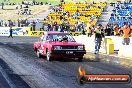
(10,30)
(98,38)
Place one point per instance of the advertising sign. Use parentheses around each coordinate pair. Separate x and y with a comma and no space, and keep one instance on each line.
(17,31)
(21,31)
(4,31)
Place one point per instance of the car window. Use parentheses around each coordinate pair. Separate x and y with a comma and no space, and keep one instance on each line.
(70,38)
(43,38)
(49,37)
(52,37)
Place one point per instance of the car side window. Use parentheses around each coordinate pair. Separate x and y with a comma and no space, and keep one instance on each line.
(50,37)
(43,38)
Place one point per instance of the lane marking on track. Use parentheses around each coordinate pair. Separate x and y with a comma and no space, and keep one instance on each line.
(8,80)
(14,43)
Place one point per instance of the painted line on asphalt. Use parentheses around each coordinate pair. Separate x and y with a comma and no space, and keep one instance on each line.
(14,43)
(11,84)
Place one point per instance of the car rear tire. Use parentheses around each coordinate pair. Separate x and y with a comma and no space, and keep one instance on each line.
(39,54)
(80,59)
(48,56)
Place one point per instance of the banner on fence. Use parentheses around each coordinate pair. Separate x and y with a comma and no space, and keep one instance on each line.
(4,31)
(26,31)
(17,31)
(39,33)
(21,31)
(36,33)
(75,33)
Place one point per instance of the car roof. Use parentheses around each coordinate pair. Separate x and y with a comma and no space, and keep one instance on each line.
(53,32)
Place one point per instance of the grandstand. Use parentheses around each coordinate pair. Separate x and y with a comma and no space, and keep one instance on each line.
(13,14)
(56,2)
(88,13)
(121,13)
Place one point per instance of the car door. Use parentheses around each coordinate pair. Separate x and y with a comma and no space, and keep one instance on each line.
(37,44)
(42,47)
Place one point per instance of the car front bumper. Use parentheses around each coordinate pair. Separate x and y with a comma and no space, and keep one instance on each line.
(68,54)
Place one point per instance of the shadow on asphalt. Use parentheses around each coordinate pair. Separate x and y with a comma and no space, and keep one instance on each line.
(74,60)
(15,78)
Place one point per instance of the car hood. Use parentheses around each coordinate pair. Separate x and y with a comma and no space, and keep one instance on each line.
(65,43)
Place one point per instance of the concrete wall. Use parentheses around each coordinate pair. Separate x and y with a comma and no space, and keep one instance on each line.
(124,50)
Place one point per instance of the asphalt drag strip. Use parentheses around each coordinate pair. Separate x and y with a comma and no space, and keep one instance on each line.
(3,81)
(14,80)
(40,73)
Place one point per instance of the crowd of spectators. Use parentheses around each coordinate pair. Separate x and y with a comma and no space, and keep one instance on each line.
(21,11)
(19,23)
(73,17)
(75,24)
(122,12)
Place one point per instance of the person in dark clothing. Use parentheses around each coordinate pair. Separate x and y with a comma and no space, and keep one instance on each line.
(63,27)
(67,27)
(33,25)
(10,30)
(19,23)
(108,30)
(61,17)
(34,2)
(55,26)
(10,23)
(49,27)
(83,31)
(41,3)
(22,23)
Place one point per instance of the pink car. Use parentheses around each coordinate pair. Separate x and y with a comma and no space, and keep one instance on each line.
(59,45)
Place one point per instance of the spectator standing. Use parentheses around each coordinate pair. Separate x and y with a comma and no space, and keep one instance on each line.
(126,33)
(67,27)
(19,23)
(83,24)
(26,23)
(63,26)
(11,31)
(5,24)
(130,30)
(55,26)
(98,38)
(108,30)
(0,23)
(49,27)
(102,31)
(88,29)
(83,31)
(43,27)
(10,23)
(33,25)
(59,28)
(14,23)
(79,25)
(21,6)
(116,30)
